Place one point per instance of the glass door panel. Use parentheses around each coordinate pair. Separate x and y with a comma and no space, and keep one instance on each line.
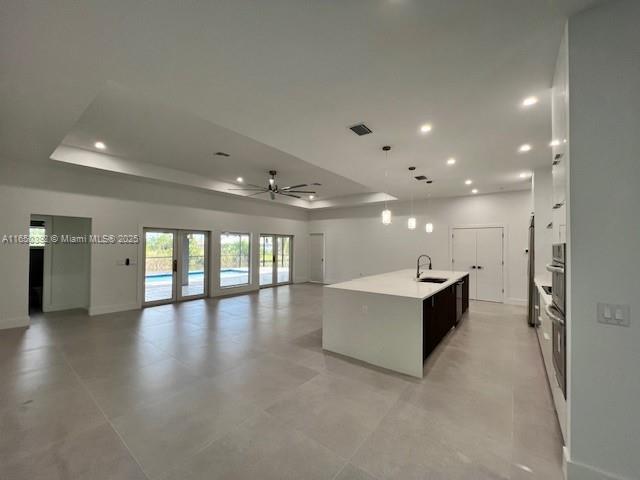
(267,257)
(283,257)
(193,264)
(160,266)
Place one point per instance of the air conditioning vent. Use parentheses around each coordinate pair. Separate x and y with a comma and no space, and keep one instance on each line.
(360,129)
(420,177)
(222,154)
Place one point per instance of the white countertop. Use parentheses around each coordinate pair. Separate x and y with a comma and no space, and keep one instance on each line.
(401,283)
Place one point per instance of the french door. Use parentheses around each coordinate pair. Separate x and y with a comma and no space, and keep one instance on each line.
(275,259)
(480,252)
(176,265)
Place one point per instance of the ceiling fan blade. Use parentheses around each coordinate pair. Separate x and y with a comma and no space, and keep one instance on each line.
(294,186)
(255,186)
(257,193)
(289,195)
(299,191)
(248,189)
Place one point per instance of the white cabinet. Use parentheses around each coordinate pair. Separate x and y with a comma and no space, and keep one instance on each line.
(560,151)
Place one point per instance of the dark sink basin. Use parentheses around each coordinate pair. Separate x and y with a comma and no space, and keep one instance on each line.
(433,280)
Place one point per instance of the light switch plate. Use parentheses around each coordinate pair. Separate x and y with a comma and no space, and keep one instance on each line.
(612,314)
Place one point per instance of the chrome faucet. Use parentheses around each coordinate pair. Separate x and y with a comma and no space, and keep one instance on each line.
(418,265)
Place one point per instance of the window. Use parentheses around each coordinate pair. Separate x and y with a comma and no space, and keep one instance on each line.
(37,235)
(234,259)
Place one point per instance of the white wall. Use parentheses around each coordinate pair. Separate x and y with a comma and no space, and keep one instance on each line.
(542,206)
(604,237)
(51,190)
(356,242)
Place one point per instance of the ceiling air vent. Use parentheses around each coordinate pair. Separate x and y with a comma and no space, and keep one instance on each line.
(222,154)
(360,129)
(420,177)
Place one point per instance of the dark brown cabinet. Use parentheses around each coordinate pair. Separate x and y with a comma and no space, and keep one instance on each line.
(439,314)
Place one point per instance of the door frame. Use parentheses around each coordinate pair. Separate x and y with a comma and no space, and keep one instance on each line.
(324,256)
(177,245)
(274,272)
(205,291)
(505,237)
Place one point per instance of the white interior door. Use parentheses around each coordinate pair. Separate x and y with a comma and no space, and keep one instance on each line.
(464,255)
(489,267)
(316,256)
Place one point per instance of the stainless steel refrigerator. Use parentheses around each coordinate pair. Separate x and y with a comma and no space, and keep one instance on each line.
(531,269)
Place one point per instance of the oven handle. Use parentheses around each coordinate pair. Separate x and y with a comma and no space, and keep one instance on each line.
(550,310)
(555,269)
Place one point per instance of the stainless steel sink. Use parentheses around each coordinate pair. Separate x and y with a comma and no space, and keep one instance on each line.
(433,280)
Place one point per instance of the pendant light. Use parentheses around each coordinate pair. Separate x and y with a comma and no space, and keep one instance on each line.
(411,222)
(386,213)
(429,226)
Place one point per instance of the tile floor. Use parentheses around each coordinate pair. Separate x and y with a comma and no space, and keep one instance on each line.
(239,388)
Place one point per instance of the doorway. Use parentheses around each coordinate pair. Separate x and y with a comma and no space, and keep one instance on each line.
(275,259)
(316,257)
(480,251)
(176,265)
(59,263)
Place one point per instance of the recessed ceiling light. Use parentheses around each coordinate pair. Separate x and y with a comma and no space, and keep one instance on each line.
(524,175)
(554,143)
(239,179)
(468,182)
(426,128)
(524,148)
(311,197)
(100,145)
(474,191)
(529,101)
(451,161)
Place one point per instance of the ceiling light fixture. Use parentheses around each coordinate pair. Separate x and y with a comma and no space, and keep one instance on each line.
(529,101)
(468,182)
(451,161)
(411,221)
(429,227)
(239,179)
(524,175)
(100,145)
(311,197)
(554,143)
(474,191)
(426,128)
(524,148)
(386,213)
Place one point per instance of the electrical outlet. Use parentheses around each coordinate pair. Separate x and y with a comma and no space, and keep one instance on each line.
(612,314)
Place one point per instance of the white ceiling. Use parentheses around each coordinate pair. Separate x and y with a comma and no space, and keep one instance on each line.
(281,81)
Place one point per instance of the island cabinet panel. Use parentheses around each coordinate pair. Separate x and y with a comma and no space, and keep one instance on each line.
(438,317)
(465,294)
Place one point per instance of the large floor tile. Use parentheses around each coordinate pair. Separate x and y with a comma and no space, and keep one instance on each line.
(141,386)
(264,448)
(264,380)
(167,432)
(47,419)
(95,454)
(337,412)
(412,443)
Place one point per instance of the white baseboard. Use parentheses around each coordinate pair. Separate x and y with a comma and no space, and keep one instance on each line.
(15,322)
(580,471)
(59,308)
(516,301)
(104,309)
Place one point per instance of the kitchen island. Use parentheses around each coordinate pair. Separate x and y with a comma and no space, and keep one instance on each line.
(392,320)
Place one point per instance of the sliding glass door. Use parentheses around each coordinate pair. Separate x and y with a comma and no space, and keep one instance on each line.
(176,265)
(275,259)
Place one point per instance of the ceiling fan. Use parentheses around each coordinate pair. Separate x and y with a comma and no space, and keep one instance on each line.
(273,189)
